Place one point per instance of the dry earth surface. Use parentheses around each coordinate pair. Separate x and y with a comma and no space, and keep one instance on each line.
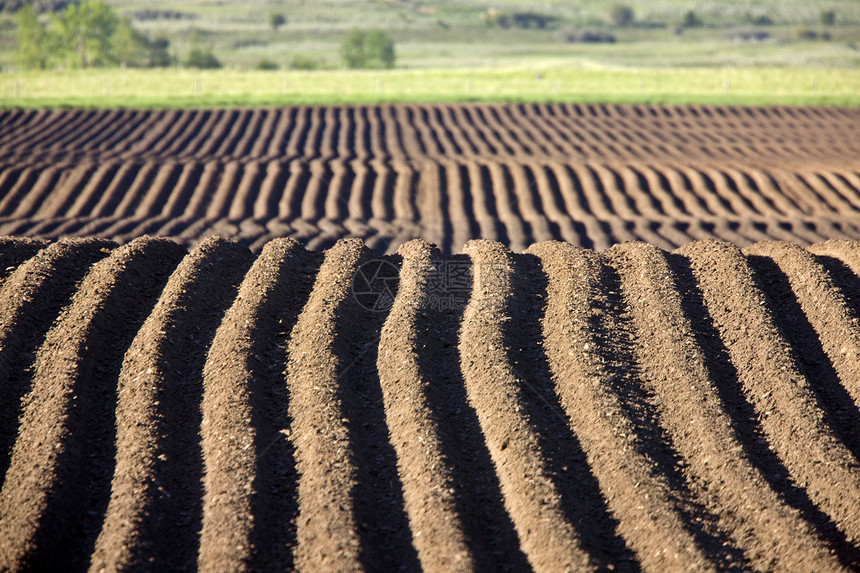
(557,409)
(332,391)
(589,175)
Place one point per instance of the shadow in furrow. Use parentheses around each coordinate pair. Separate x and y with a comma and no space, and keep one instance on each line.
(617,350)
(844,279)
(274,505)
(77,504)
(380,514)
(840,411)
(489,531)
(581,500)
(22,339)
(175,516)
(744,418)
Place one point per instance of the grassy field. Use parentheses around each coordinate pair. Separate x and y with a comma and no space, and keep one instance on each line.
(192,88)
(452,34)
(445,52)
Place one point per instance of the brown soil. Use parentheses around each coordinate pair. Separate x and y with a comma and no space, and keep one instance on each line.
(559,409)
(589,175)
(449,338)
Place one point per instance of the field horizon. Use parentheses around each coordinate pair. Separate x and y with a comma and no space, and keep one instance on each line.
(171,88)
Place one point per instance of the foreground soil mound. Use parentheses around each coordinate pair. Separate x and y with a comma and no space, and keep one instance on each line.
(590,175)
(558,409)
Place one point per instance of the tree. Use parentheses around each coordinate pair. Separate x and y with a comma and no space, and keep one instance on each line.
(827,17)
(130,47)
(33,42)
(353,50)
(199,56)
(374,49)
(380,50)
(620,15)
(159,53)
(276,21)
(691,20)
(83,33)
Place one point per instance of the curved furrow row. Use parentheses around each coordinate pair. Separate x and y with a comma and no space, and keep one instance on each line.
(580,173)
(495,388)
(485,118)
(153,514)
(32,296)
(558,409)
(250,133)
(28,196)
(163,134)
(676,370)
(411,390)
(96,127)
(41,137)
(125,145)
(539,117)
(71,190)
(249,465)
(196,137)
(771,380)
(59,471)
(124,133)
(596,384)
(813,313)
(349,495)
(16,121)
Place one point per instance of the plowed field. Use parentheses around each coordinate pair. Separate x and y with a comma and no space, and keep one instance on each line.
(557,409)
(353,383)
(590,175)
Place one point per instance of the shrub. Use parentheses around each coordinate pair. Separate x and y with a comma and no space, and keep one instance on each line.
(763,20)
(827,17)
(276,21)
(620,15)
(811,35)
(374,49)
(380,50)
(267,65)
(202,59)
(691,20)
(586,37)
(306,64)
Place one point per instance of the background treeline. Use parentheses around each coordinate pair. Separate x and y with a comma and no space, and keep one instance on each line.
(89,34)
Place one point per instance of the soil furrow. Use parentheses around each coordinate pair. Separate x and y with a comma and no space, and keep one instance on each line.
(328,352)
(824,310)
(248,458)
(495,389)
(32,297)
(154,512)
(438,532)
(596,385)
(675,370)
(61,463)
(793,421)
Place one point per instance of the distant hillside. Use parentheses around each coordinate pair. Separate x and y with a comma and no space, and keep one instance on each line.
(511,33)
(40,5)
